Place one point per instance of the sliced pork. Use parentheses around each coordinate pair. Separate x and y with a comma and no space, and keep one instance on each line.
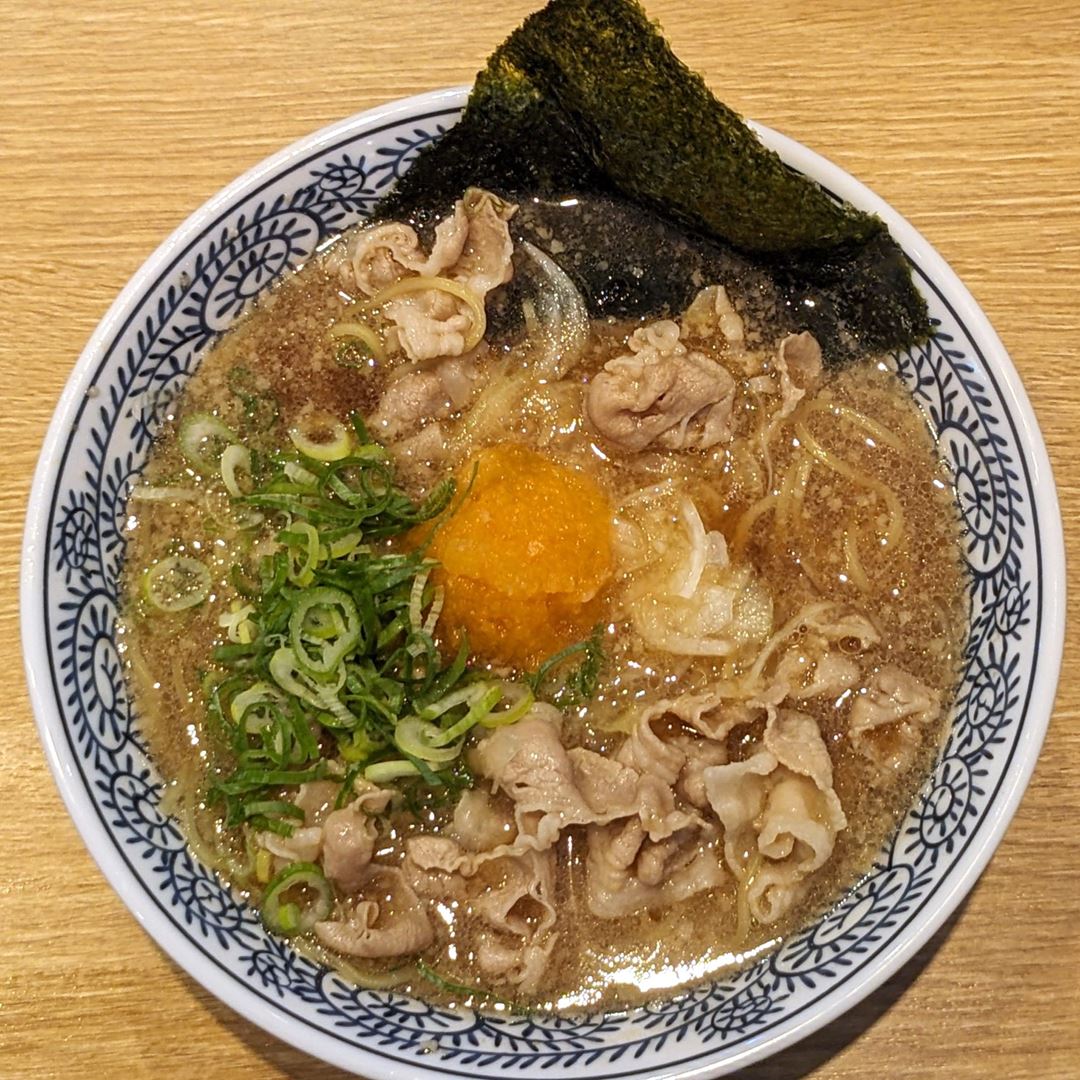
(472,248)
(394,925)
(886,719)
(779,811)
(661,392)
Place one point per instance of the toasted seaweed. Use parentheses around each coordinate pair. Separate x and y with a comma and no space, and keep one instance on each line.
(608,245)
(587,99)
(511,139)
(857,300)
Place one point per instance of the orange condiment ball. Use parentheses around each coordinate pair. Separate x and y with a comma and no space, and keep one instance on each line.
(523,557)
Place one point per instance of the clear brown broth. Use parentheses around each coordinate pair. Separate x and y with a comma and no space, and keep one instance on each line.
(917,596)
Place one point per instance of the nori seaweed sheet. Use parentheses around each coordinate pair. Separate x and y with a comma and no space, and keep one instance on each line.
(609,247)
(587,99)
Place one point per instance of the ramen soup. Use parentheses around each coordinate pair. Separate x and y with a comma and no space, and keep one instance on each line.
(560,667)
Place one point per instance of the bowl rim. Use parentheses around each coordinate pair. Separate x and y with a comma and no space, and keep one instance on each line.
(237,996)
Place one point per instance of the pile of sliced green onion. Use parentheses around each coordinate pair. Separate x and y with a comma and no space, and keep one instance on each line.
(329,665)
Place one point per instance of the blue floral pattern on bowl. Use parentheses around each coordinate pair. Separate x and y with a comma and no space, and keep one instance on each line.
(274,225)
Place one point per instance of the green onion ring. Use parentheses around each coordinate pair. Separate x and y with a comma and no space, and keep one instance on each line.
(420,739)
(333,651)
(203,439)
(286,917)
(176,583)
(338,446)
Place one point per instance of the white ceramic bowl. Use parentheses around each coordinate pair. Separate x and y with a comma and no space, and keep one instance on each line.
(149,343)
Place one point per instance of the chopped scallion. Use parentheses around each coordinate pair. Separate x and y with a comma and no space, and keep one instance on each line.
(355,331)
(331,664)
(203,440)
(386,772)
(420,739)
(321,436)
(234,458)
(287,917)
(176,583)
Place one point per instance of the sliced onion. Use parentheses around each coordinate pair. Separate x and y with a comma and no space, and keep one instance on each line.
(560,314)
(557,321)
(688,577)
(360,331)
(152,493)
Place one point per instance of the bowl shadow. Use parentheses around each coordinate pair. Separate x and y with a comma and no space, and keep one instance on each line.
(800,1060)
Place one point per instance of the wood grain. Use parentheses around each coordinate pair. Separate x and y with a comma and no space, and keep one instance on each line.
(118,118)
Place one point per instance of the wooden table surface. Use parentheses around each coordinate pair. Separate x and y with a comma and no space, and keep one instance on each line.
(117,119)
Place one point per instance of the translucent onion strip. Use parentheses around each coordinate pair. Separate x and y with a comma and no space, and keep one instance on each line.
(559,316)
(790,627)
(742,897)
(360,331)
(748,519)
(688,577)
(856,574)
(801,480)
(152,493)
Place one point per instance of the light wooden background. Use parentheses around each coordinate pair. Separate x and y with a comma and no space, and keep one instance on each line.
(118,119)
